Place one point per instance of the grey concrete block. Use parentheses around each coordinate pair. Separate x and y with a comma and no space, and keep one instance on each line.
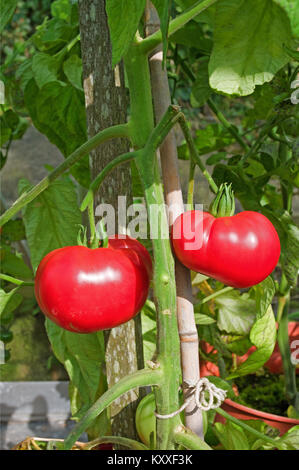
(37,409)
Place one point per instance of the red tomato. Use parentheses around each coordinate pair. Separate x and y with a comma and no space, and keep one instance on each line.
(239,251)
(124,241)
(208,367)
(85,290)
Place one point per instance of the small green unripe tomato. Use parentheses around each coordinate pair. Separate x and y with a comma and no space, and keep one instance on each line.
(146,420)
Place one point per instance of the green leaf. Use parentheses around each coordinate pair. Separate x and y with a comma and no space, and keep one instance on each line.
(24,73)
(292,9)
(198,278)
(9,301)
(290,440)
(123,20)
(163,8)
(212,137)
(13,264)
(231,436)
(14,230)
(201,90)
(263,105)
(238,345)
(248,45)
(236,313)
(264,293)
(263,336)
(61,9)
(206,16)
(83,356)
(7,8)
(45,68)
(53,34)
(191,35)
(293,54)
(290,254)
(216,157)
(58,111)
(72,68)
(52,219)
(201,319)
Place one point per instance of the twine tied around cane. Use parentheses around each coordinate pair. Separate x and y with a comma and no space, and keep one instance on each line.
(205,394)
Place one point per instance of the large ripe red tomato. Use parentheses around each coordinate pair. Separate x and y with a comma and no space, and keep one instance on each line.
(85,290)
(240,251)
(124,241)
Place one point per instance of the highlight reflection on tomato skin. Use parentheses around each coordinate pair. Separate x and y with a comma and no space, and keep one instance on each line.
(85,290)
(240,251)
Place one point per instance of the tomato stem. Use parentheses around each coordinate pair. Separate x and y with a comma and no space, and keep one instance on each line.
(96,183)
(142,378)
(194,153)
(121,130)
(18,282)
(189,440)
(190,196)
(151,42)
(247,428)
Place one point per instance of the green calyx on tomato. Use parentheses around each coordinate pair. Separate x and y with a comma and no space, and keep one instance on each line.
(85,290)
(224,202)
(146,420)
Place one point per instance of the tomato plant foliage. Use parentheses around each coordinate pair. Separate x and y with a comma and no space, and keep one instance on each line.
(232,68)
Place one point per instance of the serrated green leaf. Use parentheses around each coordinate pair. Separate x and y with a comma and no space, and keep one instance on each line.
(123,20)
(7,8)
(53,34)
(264,293)
(290,440)
(248,45)
(211,138)
(231,436)
(216,157)
(236,313)
(290,252)
(72,68)
(14,230)
(201,319)
(191,35)
(58,111)
(83,356)
(163,9)
(9,301)
(263,336)
(45,68)
(52,219)
(61,9)
(198,278)
(238,345)
(13,264)
(292,9)
(201,90)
